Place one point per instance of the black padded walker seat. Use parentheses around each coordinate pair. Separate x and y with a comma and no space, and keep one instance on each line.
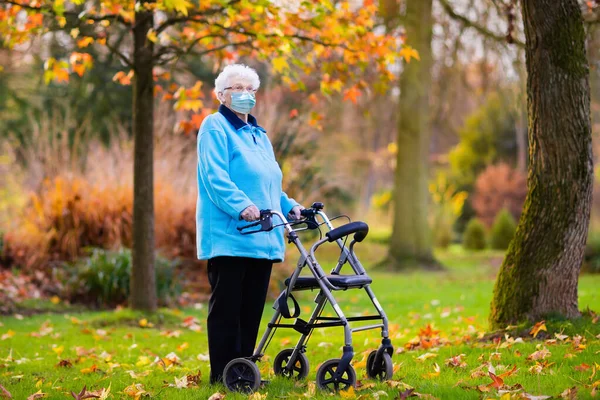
(341,281)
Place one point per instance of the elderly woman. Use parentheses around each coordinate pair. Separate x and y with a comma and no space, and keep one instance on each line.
(237,176)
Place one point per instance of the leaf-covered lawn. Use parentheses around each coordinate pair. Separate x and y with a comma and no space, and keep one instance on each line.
(436,321)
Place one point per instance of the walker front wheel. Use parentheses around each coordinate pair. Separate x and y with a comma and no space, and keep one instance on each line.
(384,370)
(326,376)
(241,375)
(299,370)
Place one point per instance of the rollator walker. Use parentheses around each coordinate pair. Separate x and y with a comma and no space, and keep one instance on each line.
(243,375)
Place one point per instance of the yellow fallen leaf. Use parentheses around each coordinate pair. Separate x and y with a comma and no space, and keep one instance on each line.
(58,350)
(55,299)
(539,326)
(348,394)
(8,334)
(183,346)
(257,396)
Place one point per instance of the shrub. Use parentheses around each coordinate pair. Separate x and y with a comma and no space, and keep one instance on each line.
(103,278)
(503,230)
(474,236)
(498,187)
(591,261)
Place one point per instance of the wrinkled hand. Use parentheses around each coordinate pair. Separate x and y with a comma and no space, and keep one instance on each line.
(250,213)
(294,214)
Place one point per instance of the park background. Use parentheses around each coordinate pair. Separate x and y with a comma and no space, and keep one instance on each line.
(420,130)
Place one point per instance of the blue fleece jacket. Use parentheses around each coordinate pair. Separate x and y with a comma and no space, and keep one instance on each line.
(237,168)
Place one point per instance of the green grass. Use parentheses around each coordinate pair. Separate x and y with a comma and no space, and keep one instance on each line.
(455,302)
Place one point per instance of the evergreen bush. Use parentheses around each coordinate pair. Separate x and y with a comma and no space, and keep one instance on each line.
(474,236)
(503,230)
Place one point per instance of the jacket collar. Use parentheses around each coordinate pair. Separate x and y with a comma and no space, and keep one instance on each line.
(235,120)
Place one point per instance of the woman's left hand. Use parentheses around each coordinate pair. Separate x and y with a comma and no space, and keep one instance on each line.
(295,213)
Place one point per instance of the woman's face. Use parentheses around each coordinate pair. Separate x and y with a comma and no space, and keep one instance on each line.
(235,85)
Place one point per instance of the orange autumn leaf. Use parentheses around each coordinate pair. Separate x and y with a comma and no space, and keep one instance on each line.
(352,94)
(539,326)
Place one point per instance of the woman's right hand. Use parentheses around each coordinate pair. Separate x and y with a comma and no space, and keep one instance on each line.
(250,213)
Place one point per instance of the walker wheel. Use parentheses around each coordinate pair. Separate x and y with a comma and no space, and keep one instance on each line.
(299,370)
(241,375)
(326,380)
(384,370)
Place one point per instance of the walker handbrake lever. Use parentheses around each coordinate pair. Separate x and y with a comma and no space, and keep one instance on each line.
(265,221)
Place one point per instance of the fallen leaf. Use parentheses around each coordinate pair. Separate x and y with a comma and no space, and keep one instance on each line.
(426,356)
(64,363)
(89,370)
(406,394)
(456,361)
(497,381)
(257,396)
(5,393)
(539,355)
(37,395)
(8,334)
(436,372)
(582,367)
(509,372)
(84,394)
(217,396)
(348,394)
(540,326)
(532,397)
(570,393)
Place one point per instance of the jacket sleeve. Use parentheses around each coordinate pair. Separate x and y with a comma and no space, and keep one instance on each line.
(213,162)
(287,203)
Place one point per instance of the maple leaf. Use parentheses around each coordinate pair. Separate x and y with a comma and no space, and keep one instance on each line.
(280,64)
(84,394)
(352,94)
(539,326)
(103,393)
(497,382)
(406,394)
(409,53)
(217,396)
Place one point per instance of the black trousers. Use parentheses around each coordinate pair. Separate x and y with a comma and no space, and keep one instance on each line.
(239,290)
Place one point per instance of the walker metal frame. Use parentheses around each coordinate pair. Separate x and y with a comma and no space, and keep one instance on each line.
(323,283)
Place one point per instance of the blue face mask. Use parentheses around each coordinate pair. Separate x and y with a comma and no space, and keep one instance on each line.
(242,102)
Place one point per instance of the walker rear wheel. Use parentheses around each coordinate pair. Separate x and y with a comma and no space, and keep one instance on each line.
(299,370)
(241,375)
(327,381)
(384,370)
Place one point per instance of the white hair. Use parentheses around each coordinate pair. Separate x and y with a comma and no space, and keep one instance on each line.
(233,71)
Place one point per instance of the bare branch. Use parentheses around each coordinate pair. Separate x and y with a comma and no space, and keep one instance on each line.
(481,29)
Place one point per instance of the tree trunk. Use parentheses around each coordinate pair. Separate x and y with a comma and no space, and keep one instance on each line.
(411,243)
(539,275)
(143,279)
